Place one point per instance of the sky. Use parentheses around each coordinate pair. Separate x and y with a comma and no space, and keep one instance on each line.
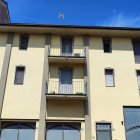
(118,13)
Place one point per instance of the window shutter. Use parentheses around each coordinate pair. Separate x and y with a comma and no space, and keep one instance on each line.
(107,45)
(19,77)
(67,46)
(136,48)
(103,131)
(138,79)
(109,77)
(24,42)
(18,131)
(26,133)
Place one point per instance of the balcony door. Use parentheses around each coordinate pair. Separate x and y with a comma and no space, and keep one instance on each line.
(67,46)
(65,86)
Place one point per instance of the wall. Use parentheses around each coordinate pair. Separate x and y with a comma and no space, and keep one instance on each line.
(65,110)
(78,77)
(3,39)
(56,45)
(23,101)
(107,102)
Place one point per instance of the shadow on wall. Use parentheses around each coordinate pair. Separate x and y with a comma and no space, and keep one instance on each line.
(78,72)
(35,41)
(118,44)
(65,108)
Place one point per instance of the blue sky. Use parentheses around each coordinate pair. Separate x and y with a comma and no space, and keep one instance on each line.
(124,13)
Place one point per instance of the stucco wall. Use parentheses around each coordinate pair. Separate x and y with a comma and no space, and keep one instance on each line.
(23,101)
(3,39)
(56,45)
(65,110)
(77,77)
(107,102)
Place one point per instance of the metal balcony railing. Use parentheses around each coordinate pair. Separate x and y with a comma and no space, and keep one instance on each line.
(76,87)
(77,51)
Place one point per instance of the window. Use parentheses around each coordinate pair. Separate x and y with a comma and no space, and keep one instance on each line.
(23,42)
(132,122)
(17,131)
(107,45)
(66,46)
(138,79)
(63,131)
(136,48)
(19,75)
(103,131)
(109,77)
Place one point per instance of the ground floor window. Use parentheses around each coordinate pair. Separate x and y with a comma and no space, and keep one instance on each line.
(65,131)
(17,131)
(132,123)
(103,131)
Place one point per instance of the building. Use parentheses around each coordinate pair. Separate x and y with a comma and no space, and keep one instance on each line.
(69,82)
(4,12)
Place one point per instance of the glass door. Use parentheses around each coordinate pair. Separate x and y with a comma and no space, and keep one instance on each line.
(67,46)
(132,123)
(65,86)
(62,132)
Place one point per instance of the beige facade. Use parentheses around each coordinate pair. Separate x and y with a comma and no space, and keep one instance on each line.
(64,82)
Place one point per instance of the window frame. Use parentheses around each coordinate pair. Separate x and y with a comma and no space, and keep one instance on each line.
(124,116)
(20,40)
(138,70)
(104,123)
(15,80)
(113,76)
(59,73)
(19,124)
(110,44)
(135,54)
(74,125)
(67,37)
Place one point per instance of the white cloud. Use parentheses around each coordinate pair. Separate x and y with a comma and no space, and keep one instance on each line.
(121,20)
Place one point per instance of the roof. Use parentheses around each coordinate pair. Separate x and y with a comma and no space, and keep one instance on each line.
(70,26)
(70,29)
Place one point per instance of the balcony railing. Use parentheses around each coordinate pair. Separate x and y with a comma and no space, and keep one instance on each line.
(56,50)
(55,87)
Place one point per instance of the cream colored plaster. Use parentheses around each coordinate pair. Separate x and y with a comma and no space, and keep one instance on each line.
(107,102)
(65,109)
(78,77)
(23,101)
(56,45)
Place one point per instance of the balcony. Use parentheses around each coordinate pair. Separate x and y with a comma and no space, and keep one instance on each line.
(56,90)
(56,55)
